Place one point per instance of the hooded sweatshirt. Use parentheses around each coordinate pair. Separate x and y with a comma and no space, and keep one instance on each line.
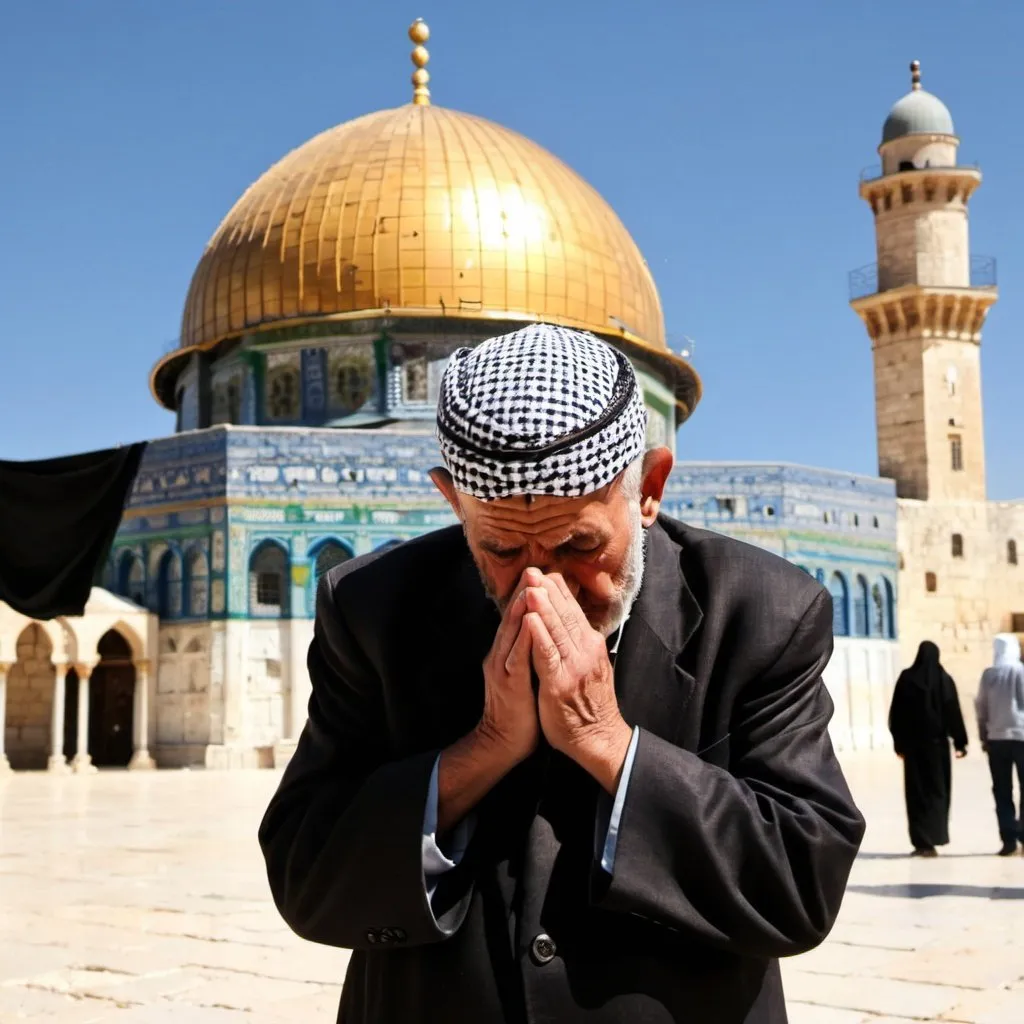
(1000,700)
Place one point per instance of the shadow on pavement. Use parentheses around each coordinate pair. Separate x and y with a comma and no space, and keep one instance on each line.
(922,890)
(906,856)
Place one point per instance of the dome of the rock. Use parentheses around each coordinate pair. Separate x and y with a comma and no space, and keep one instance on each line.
(420,213)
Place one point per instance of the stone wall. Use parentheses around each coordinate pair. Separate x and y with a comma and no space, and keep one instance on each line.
(189,701)
(976,594)
(30,701)
(900,416)
(952,385)
(860,678)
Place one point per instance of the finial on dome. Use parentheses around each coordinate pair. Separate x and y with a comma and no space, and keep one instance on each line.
(915,74)
(419,34)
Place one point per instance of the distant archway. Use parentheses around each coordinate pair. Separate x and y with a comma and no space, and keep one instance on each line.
(112,703)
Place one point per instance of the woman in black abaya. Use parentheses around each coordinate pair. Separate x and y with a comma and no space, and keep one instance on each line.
(924,716)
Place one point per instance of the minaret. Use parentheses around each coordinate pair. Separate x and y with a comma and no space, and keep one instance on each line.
(924,304)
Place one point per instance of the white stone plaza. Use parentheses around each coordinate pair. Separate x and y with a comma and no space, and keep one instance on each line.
(139,899)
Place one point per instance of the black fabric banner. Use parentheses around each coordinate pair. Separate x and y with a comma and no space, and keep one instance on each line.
(58,518)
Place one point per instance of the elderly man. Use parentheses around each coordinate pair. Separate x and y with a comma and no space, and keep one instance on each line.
(568,761)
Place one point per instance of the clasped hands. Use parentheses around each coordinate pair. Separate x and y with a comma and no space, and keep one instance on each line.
(544,629)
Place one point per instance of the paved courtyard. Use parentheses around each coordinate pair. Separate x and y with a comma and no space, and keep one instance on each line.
(139,899)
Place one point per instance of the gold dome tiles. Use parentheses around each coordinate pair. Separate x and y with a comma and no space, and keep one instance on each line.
(423,210)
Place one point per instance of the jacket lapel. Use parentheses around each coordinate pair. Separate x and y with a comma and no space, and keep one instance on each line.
(653,688)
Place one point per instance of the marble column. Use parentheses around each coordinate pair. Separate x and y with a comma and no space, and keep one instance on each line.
(140,757)
(57,763)
(5,765)
(82,761)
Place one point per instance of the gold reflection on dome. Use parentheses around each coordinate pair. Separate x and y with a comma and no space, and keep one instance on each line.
(420,211)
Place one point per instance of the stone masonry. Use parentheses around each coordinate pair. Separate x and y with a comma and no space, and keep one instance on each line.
(30,701)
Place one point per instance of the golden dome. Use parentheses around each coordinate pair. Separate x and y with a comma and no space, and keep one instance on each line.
(421,211)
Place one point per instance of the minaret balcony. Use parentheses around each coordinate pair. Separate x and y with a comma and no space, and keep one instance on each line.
(866,280)
(874,172)
(927,186)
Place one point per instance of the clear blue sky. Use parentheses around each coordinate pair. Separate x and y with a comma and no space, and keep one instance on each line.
(728,136)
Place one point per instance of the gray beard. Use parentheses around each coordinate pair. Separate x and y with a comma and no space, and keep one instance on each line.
(627,584)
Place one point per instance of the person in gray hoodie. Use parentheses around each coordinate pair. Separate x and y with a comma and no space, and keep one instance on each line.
(1000,707)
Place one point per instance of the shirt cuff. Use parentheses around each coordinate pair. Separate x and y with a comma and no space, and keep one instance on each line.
(439,857)
(609,810)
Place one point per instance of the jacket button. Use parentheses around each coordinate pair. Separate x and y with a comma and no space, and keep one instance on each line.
(543,949)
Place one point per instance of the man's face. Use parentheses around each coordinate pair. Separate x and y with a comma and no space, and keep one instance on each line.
(595,541)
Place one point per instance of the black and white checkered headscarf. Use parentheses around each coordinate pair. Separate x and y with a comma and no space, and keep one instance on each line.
(544,410)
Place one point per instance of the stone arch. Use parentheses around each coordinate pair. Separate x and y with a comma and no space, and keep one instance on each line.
(66,646)
(130,636)
(30,691)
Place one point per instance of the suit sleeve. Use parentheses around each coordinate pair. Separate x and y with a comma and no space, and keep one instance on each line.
(343,835)
(754,860)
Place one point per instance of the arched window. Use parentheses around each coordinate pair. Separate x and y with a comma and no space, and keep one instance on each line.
(890,609)
(958,545)
(168,586)
(131,578)
(197,576)
(860,607)
(268,581)
(282,393)
(352,377)
(840,617)
(956,453)
(1011,552)
(389,544)
(882,622)
(931,583)
(330,554)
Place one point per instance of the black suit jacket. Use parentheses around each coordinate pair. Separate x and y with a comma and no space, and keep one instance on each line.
(736,838)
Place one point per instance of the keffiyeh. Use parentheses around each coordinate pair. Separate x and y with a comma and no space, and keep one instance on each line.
(544,410)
